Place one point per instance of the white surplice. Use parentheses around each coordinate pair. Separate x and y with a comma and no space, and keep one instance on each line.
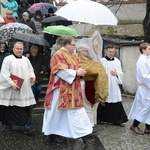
(141,106)
(70,123)
(22,68)
(113,81)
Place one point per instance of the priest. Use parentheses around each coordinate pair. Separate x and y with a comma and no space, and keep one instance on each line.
(95,82)
(64,114)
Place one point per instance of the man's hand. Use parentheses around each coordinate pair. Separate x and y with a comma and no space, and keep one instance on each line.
(81,72)
(113,72)
(32,79)
(42,72)
(15,87)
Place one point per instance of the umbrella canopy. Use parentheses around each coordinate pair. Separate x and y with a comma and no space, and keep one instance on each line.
(31,38)
(87,12)
(43,7)
(60,30)
(58,19)
(10,29)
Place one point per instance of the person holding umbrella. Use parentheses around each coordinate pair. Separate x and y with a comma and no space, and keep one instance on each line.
(38,62)
(37,18)
(26,20)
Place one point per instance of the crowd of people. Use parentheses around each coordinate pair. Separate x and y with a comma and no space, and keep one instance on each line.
(81,92)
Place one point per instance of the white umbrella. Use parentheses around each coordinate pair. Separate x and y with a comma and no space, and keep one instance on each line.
(87,12)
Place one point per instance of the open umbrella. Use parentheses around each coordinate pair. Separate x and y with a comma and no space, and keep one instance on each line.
(43,7)
(60,30)
(10,29)
(57,19)
(87,12)
(31,38)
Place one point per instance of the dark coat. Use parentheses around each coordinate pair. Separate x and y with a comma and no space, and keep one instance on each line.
(2,56)
(31,24)
(22,9)
(38,64)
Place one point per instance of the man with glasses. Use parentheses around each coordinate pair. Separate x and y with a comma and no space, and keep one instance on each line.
(65,115)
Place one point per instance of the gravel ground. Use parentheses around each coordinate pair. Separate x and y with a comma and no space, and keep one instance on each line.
(19,141)
(110,137)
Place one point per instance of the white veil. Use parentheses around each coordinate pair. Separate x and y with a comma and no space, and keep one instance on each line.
(94,45)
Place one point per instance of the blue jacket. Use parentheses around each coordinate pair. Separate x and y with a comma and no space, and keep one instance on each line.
(13,6)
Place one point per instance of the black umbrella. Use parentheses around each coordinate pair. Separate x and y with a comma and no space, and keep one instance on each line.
(58,19)
(31,38)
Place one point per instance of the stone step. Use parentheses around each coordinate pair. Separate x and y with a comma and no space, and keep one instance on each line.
(39,107)
(38,110)
(42,94)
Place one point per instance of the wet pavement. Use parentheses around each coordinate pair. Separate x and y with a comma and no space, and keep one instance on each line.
(110,137)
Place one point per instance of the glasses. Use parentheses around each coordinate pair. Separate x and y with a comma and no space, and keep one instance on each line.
(84,50)
(72,44)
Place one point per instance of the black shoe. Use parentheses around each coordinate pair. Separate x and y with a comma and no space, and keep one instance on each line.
(95,130)
(29,131)
(32,106)
(119,124)
(88,137)
(8,130)
(56,139)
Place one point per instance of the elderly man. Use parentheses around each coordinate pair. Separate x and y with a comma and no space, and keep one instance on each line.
(64,113)
(95,82)
(15,100)
(26,20)
(38,63)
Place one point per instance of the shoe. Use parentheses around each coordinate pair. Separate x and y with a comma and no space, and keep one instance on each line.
(8,130)
(95,130)
(89,136)
(56,139)
(29,131)
(119,124)
(147,131)
(136,130)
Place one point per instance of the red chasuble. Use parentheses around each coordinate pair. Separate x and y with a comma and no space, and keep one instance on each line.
(70,94)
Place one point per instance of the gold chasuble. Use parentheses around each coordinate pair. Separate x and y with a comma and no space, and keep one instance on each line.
(70,94)
(96,73)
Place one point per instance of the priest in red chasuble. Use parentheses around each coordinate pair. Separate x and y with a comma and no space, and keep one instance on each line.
(65,114)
